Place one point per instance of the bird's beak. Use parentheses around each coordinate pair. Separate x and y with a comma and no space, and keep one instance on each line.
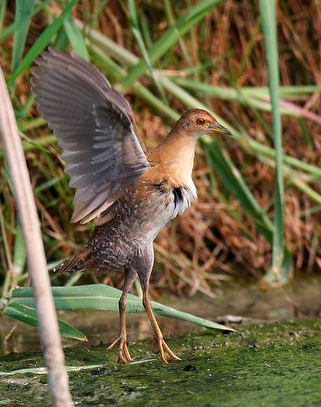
(219,129)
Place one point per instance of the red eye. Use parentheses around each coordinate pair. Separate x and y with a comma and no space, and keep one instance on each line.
(200,121)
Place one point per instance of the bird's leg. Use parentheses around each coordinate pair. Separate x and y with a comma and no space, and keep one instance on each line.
(163,347)
(143,264)
(123,353)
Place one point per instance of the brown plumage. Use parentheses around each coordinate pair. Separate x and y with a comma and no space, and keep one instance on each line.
(129,195)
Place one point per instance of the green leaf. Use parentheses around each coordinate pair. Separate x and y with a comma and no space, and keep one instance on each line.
(75,37)
(256,97)
(278,274)
(8,30)
(3,5)
(104,298)
(141,44)
(233,180)
(170,37)
(28,315)
(41,43)
(19,257)
(21,26)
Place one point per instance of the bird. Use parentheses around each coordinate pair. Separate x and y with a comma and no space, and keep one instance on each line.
(130,194)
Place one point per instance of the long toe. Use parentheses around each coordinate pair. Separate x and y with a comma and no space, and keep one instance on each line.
(123,352)
(110,347)
(163,347)
(121,358)
(169,351)
(127,354)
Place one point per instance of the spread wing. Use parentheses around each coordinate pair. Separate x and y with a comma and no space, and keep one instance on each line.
(93,124)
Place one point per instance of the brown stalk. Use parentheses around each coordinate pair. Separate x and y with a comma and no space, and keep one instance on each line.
(48,326)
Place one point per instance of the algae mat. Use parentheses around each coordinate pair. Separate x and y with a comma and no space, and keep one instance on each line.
(262,365)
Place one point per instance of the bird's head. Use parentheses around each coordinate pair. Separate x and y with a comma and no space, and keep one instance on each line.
(196,122)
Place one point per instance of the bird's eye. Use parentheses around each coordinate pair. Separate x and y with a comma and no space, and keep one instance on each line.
(200,121)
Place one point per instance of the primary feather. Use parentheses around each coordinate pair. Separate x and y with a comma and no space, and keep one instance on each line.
(93,125)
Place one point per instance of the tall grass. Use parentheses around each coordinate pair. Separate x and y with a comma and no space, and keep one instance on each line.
(268,19)
(167,60)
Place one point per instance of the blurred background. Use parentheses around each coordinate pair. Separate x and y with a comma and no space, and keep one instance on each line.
(166,57)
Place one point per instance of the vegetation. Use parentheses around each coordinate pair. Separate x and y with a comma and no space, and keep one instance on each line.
(167,57)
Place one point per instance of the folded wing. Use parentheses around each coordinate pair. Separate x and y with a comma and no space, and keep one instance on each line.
(93,125)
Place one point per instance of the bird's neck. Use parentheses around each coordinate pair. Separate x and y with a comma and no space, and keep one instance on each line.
(176,158)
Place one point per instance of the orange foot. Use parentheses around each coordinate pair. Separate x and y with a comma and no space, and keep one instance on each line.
(163,347)
(123,353)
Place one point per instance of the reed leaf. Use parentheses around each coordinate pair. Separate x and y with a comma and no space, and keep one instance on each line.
(170,37)
(277,274)
(255,97)
(104,298)
(234,181)
(10,29)
(27,314)
(41,43)
(140,41)
(22,21)
(3,5)
(19,256)
(75,37)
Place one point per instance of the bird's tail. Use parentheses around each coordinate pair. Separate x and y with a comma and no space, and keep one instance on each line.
(75,263)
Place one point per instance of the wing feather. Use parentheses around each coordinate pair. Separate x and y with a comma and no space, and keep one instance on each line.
(94,127)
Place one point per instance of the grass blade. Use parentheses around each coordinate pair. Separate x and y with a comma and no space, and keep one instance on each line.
(3,5)
(255,97)
(27,314)
(277,274)
(105,298)
(19,256)
(170,37)
(41,43)
(21,26)
(234,181)
(75,37)
(143,49)
(10,29)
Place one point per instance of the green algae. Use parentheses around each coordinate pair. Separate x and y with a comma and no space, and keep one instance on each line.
(271,364)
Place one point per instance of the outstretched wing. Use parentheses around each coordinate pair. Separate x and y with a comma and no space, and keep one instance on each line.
(93,124)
